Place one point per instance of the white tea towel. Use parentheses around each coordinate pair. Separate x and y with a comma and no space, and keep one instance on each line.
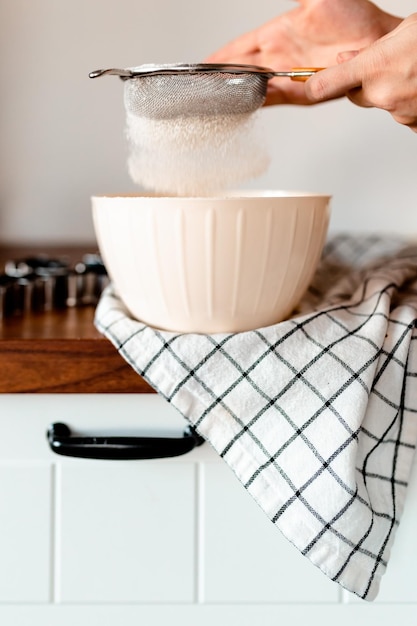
(316,415)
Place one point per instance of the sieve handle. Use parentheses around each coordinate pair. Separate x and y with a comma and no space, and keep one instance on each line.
(111,72)
(300,74)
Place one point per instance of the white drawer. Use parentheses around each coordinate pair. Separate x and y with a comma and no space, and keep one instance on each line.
(139,536)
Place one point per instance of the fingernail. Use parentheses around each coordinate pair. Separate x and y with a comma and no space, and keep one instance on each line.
(346,55)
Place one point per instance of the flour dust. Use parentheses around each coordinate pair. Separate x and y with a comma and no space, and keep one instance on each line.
(195,156)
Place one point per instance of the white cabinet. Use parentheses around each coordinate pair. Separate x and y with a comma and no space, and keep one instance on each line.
(125,534)
(245,557)
(25,531)
(175,541)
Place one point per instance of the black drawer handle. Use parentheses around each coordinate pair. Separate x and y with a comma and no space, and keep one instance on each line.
(120,448)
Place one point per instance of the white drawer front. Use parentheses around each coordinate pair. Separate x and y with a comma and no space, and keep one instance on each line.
(25,532)
(256,562)
(144,535)
(126,534)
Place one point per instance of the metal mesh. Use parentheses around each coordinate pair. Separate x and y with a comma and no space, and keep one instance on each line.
(203,89)
(166,96)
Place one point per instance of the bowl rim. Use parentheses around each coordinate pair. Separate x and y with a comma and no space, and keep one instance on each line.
(249,194)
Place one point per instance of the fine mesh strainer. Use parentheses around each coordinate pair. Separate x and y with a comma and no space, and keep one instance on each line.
(186,90)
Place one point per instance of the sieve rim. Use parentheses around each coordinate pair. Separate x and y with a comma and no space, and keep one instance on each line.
(184,68)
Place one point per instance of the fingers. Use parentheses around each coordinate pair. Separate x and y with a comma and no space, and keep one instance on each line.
(285,91)
(383,76)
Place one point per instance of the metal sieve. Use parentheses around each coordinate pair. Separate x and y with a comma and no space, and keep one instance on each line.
(187,90)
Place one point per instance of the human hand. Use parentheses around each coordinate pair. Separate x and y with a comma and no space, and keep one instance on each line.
(311,35)
(382,75)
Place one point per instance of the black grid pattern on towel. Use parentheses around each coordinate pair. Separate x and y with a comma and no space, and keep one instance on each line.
(315,415)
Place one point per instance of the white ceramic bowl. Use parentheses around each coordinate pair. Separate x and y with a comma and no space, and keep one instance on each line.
(215,264)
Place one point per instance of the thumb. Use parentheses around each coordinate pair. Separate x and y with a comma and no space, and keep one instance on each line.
(334,82)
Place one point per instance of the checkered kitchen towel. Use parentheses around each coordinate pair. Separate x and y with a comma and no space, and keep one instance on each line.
(316,415)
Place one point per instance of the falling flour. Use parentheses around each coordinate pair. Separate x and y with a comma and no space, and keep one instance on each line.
(195,156)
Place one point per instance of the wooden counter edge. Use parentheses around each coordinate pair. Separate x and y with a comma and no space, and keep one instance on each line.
(63,366)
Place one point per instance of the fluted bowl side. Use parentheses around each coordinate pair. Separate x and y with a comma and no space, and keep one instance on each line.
(210,265)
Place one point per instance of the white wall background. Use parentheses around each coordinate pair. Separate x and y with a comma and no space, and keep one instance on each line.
(61,134)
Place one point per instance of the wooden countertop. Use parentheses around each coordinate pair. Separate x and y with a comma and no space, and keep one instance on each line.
(60,351)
